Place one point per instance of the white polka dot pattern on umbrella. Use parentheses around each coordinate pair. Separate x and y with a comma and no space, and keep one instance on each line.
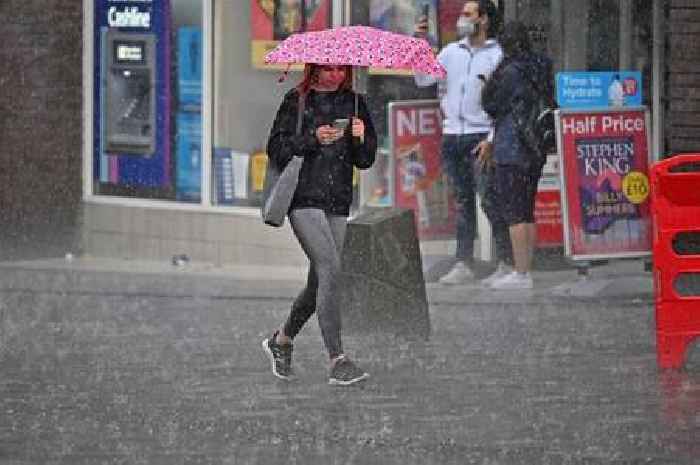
(358,46)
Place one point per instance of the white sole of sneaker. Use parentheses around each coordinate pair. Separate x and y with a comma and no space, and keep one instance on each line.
(488,282)
(454,283)
(267,350)
(337,382)
(512,288)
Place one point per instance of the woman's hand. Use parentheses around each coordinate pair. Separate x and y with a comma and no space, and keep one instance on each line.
(358,128)
(327,134)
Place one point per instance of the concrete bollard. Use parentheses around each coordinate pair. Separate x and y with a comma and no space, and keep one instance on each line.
(382,286)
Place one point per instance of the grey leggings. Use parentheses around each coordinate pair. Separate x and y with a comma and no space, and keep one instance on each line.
(321,236)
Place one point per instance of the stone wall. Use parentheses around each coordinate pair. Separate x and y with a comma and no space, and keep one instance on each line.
(40,125)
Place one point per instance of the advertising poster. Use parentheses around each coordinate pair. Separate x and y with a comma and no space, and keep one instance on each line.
(274,20)
(419,182)
(605,183)
(599,89)
(449,14)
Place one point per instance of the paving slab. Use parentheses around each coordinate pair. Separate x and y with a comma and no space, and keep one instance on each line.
(111,378)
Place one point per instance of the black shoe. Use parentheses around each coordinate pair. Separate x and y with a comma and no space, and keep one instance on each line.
(280,356)
(345,372)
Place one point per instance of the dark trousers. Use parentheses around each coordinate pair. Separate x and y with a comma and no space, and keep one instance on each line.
(458,162)
(491,207)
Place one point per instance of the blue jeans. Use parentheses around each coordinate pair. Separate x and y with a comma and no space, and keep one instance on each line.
(458,163)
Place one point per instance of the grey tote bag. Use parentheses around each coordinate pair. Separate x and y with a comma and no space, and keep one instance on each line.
(279,186)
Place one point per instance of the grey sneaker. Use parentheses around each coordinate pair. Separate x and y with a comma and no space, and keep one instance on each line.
(345,373)
(280,356)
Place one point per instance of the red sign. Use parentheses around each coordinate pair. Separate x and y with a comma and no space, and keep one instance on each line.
(550,232)
(415,131)
(629,86)
(605,184)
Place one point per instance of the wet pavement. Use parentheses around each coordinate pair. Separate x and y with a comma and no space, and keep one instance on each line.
(117,372)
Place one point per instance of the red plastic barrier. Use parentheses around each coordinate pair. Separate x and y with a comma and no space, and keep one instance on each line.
(675,208)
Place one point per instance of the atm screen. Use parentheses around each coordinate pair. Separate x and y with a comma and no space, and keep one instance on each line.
(129,52)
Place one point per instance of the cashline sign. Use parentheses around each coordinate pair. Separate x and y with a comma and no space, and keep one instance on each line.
(128,16)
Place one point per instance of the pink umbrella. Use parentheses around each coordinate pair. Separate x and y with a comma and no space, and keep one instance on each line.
(358,46)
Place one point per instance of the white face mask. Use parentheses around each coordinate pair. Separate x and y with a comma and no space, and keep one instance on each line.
(465,27)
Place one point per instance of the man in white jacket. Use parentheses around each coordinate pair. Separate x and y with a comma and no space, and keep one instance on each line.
(469,63)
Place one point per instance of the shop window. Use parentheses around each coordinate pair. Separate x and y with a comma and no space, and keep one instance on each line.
(247,92)
(148,99)
(408,171)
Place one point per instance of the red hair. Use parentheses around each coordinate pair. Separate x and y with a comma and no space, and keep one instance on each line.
(311,71)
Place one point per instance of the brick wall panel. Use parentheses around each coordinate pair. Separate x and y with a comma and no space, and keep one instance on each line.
(679,92)
(678,145)
(689,15)
(684,4)
(686,28)
(679,118)
(682,122)
(41,87)
(684,80)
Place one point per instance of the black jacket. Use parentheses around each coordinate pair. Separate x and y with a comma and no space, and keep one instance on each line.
(325,180)
(519,77)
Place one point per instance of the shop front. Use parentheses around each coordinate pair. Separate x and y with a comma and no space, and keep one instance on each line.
(178,105)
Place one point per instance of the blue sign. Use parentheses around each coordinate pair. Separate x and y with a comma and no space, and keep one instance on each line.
(599,89)
(189,70)
(188,177)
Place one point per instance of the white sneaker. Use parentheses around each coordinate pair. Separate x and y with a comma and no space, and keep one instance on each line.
(459,274)
(501,271)
(513,280)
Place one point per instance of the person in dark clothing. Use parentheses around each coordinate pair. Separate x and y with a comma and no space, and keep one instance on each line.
(499,229)
(321,202)
(519,78)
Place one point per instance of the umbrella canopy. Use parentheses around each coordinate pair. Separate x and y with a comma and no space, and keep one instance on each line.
(358,46)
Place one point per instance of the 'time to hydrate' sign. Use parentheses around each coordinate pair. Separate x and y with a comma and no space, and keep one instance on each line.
(605,184)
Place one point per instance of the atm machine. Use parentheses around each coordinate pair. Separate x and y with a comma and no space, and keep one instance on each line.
(130,83)
(133,146)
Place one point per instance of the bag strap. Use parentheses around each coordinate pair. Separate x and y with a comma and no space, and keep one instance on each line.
(300,111)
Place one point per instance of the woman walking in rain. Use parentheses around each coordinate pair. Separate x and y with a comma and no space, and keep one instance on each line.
(518,80)
(333,139)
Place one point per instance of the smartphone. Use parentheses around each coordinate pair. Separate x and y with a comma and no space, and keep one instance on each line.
(341,123)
